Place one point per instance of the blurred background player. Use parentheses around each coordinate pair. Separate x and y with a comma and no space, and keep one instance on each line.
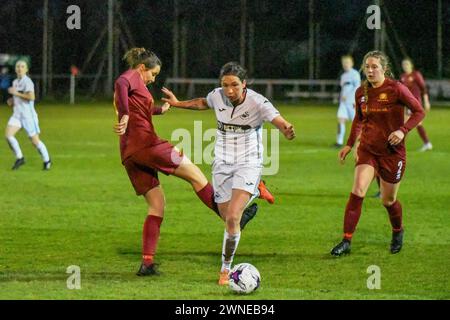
(350,81)
(24,116)
(237,166)
(415,82)
(5,83)
(144,154)
(380,121)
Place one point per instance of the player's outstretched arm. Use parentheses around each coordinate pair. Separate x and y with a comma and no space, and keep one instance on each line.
(285,127)
(194,104)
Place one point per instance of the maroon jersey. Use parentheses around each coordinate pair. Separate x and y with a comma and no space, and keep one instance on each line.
(415,83)
(382,115)
(132,98)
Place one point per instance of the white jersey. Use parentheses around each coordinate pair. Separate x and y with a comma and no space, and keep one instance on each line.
(350,81)
(23,85)
(239,129)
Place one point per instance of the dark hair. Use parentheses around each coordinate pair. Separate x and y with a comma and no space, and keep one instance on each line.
(137,56)
(233,69)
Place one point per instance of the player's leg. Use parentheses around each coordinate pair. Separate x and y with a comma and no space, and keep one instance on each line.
(391,172)
(233,212)
(204,190)
(342,118)
(30,123)
(424,136)
(422,133)
(192,174)
(151,231)
(364,174)
(11,129)
(394,208)
(42,149)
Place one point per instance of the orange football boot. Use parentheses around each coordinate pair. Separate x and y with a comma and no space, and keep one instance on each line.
(264,193)
(224,278)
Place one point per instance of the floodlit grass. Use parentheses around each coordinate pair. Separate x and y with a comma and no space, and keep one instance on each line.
(84,212)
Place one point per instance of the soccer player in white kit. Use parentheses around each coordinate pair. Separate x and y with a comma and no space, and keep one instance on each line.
(350,81)
(24,116)
(238,161)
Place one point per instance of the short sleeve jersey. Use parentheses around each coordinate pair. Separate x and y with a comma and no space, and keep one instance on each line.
(239,128)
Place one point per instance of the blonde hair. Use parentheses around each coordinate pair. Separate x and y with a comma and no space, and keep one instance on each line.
(347,56)
(137,56)
(24,62)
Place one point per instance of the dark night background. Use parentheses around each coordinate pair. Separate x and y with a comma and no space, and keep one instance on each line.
(213,29)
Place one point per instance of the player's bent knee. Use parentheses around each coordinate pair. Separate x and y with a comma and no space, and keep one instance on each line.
(232,221)
(387,202)
(157,209)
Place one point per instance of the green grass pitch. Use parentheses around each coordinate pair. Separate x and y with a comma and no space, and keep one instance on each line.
(84,212)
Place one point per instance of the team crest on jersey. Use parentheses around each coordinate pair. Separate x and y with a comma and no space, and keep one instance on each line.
(383,97)
(245,115)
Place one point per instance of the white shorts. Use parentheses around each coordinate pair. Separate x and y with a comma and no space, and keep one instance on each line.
(228,177)
(346,111)
(27,120)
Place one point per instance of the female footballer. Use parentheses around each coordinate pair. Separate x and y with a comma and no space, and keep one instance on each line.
(24,116)
(413,79)
(379,119)
(237,165)
(144,154)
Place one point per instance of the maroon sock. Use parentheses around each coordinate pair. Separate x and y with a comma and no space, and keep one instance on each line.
(352,214)
(422,134)
(150,237)
(395,216)
(207,197)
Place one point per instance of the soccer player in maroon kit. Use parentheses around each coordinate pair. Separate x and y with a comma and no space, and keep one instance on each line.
(143,153)
(380,103)
(413,79)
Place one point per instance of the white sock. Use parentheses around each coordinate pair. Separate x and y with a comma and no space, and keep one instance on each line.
(341,133)
(15,147)
(43,151)
(253,197)
(230,243)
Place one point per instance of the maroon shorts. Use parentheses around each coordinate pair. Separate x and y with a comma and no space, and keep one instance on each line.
(143,166)
(390,168)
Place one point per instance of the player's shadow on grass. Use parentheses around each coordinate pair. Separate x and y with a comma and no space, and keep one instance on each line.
(312,195)
(206,253)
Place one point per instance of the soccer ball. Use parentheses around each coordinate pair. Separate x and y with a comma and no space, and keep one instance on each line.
(244,278)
